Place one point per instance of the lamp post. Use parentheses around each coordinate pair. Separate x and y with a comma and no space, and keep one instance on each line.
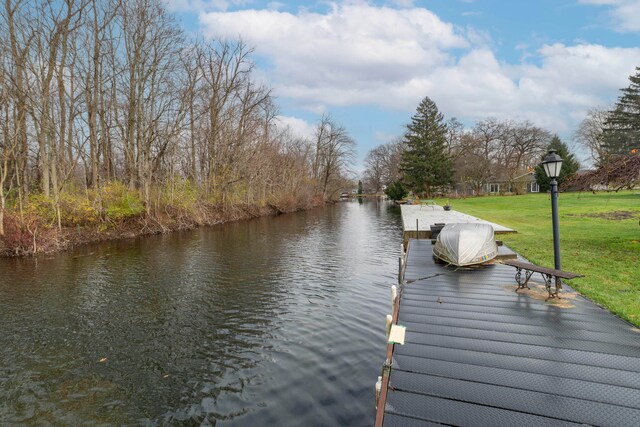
(552,164)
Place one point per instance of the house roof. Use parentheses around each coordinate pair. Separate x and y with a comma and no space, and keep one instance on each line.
(526,177)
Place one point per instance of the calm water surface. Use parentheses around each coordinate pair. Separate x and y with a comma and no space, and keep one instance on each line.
(270,322)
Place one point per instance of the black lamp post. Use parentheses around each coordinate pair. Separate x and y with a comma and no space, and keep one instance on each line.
(552,164)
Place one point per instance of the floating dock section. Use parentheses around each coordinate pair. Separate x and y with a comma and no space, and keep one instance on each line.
(418,219)
(477,353)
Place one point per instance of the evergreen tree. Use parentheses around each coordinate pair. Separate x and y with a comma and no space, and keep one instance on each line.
(425,163)
(396,191)
(622,127)
(569,167)
(360,187)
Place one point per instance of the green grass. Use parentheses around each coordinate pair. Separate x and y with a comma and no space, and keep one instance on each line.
(606,250)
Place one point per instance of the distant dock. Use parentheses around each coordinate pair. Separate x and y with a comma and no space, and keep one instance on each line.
(418,219)
(476,353)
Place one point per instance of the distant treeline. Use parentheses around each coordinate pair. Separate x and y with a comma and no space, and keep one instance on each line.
(444,154)
(493,150)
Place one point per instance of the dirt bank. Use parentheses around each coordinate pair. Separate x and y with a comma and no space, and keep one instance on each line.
(28,241)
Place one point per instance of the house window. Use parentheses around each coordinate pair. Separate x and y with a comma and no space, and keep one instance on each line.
(534,187)
(494,188)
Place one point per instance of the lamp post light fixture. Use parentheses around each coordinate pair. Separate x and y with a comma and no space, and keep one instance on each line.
(552,164)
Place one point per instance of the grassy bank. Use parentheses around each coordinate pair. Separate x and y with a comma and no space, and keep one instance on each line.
(599,234)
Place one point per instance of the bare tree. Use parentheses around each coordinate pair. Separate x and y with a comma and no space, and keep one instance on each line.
(473,165)
(455,131)
(99,19)
(20,38)
(590,134)
(374,173)
(527,144)
(488,134)
(226,65)
(9,142)
(382,165)
(334,154)
(509,147)
(192,61)
(154,112)
(51,29)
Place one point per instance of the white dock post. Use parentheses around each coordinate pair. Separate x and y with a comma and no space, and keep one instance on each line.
(394,296)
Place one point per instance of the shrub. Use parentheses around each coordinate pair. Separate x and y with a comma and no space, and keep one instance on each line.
(180,194)
(40,206)
(77,209)
(396,191)
(119,203)
(17,239)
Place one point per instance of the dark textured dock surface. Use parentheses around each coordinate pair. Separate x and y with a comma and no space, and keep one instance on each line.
(478,354)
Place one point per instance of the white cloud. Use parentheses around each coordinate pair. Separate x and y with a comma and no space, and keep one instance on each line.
(337,57)
(358,54)
(569,81)
(297,126)
(625,13)
(347,42)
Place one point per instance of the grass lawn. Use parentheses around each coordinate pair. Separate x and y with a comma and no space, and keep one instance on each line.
(599,237)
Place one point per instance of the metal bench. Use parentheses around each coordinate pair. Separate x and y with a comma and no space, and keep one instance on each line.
(425,202)
(547,275)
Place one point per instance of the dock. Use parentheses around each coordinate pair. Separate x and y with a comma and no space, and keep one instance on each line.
(418,219)
(477,353)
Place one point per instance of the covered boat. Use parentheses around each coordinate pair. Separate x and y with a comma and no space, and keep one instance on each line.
(466,244)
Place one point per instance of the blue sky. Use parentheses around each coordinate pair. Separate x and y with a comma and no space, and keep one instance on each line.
(369,63)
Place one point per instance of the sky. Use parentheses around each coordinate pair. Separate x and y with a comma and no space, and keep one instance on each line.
(369,63)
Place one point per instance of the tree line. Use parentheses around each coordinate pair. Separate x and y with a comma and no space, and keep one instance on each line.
(438,155)
(96,94)
(435,154)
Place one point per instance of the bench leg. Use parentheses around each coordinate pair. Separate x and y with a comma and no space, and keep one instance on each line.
(547,284)
(523,284)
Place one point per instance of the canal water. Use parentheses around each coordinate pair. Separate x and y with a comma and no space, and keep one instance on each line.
(272,322)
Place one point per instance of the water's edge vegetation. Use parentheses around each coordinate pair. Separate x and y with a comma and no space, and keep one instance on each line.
(116,212)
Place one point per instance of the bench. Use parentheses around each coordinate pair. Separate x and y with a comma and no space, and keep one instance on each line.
(424,202)
(547,275)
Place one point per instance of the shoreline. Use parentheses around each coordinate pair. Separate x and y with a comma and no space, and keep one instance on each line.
(53,240)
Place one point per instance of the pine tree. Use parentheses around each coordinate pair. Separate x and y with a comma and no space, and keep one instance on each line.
(622,127)
(425,163)
(569,167)
(396,191)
